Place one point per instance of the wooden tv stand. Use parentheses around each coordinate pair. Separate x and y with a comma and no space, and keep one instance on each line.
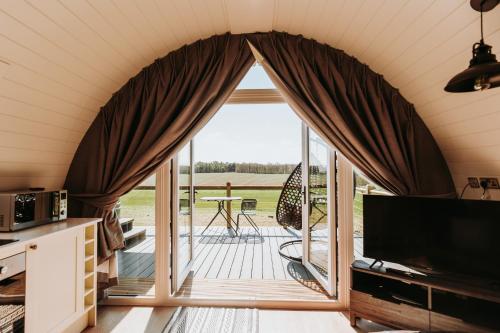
(427,303)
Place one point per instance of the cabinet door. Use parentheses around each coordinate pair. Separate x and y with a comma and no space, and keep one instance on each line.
(54,287)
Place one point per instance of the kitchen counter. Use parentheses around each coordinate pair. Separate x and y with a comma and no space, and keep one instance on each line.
(25,237)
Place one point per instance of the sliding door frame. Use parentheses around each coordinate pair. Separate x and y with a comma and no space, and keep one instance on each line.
(329,283)
(164,295)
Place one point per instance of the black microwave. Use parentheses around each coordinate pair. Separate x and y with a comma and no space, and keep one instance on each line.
(26,209)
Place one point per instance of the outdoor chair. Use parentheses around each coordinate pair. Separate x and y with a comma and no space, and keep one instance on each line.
(248,209)
(289,210)
(184,208)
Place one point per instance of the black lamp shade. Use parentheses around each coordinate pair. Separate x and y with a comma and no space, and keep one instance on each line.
(465,80)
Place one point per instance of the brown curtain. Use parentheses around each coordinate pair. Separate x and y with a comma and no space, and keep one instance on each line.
(146,121)
(154,114)
(358,112)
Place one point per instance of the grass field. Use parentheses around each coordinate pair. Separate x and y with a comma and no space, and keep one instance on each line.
(202,179)
(139,204)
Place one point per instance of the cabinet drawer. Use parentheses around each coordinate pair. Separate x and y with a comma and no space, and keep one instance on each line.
(398,315)
(443,323)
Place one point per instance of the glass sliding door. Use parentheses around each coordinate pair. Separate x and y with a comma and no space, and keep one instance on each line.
(182,211)
(318,220)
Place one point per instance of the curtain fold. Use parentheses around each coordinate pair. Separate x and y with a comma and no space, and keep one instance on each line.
(356,111)
(156,113)
(146,121)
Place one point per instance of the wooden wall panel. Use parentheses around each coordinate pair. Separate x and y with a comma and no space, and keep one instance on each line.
(61,60)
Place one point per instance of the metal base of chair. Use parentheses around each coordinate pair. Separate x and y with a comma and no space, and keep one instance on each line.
(249,220)
(286,256)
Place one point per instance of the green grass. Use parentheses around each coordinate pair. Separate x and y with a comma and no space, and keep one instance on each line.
(266,199)
(139,204)
(358,214)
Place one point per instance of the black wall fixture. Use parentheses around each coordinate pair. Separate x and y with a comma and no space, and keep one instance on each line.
(484,69)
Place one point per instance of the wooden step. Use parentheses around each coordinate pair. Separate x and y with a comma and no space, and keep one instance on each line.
(126,223)
(134,236)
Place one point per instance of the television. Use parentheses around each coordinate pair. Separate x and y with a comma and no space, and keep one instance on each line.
(431,235)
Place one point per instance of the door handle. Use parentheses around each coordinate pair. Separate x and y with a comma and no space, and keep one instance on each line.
(304,192)
(33,246)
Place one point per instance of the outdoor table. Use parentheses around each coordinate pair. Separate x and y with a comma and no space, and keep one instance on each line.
(220,210)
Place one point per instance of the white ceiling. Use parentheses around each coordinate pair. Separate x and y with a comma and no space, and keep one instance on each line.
(68,56)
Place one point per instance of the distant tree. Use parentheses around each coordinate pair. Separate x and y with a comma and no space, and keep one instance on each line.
(257,168)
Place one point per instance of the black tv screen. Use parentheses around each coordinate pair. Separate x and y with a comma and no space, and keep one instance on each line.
(434,235)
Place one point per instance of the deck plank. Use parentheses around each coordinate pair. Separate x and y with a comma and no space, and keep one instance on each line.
(225,270)
(206,257)
(220,257)
(267,257)
(237,262)
(246,267)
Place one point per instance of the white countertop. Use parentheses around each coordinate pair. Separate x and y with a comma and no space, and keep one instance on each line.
(27,236)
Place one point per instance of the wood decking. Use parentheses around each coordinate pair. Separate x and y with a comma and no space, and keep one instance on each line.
(248,261)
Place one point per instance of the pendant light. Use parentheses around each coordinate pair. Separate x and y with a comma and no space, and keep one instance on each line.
(484,69)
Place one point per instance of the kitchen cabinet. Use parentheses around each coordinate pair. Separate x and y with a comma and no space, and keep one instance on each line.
(60,281)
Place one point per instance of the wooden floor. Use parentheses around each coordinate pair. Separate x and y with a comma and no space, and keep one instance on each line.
(125,319)
(296,290)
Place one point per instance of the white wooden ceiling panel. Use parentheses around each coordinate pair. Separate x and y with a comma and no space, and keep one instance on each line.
(21,92)
(19,31)
(314,13)
(22,77)
(83,33)
(63,59)
(434,42)
(299,12)
(429,21)
(343,21)
(250,16)
(37,129)
(388,12)
(34,178)
(382,44)
(34,156)
(27,59)
(282,15)
(185,31)
(157,40)
(58,120)
(44,26)
(12,169)
(40,143)
(466,155)
(102,16)
(359,23)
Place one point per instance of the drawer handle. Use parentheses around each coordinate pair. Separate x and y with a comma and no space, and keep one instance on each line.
(33,246)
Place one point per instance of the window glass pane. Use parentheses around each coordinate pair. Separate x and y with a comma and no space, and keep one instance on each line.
(184,213)
(136,262)
(256,78)
(362,185)
(318,199)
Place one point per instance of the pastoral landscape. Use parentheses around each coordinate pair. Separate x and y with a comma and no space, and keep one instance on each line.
(139,203)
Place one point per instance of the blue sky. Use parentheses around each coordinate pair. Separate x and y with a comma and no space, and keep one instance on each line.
(262,133)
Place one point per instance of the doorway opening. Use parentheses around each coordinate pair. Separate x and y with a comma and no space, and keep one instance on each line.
(236,232)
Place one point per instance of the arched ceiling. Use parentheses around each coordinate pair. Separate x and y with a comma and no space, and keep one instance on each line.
(60,60)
